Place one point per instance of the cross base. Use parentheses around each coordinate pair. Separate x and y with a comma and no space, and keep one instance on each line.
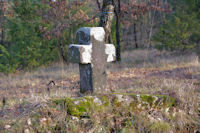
(85,78)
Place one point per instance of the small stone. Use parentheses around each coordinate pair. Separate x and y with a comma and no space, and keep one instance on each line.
(26,131)
(29,122)
(75,118)
(120,98)
(77,102)
(139,106)
(85,121)
(43,120)
(167,110)
(7,126)
(97,101)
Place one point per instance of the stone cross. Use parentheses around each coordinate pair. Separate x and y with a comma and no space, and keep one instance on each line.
(91,53)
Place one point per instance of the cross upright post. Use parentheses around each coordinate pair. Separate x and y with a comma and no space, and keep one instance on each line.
(91,53)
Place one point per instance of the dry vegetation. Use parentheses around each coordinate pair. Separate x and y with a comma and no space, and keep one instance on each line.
(28,99)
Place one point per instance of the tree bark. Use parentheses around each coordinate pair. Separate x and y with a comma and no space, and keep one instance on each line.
(151,26)
(2,36)
(135,34)
(118,16)
(106,18)
(2,22)
(98,4)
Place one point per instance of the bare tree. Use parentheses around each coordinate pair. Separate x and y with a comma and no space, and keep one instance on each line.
(118,23)
(135,10)
(106,18)
(64,15)
(98,4)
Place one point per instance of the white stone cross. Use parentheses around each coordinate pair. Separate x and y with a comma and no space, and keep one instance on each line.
(91,53)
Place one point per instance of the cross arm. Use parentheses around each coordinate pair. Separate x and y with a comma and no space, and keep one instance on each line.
(83,53)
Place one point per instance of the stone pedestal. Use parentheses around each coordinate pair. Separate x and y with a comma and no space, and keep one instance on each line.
(86,84)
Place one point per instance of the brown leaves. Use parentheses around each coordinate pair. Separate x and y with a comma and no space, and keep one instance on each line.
(81,15)
(136,9)
(62,15)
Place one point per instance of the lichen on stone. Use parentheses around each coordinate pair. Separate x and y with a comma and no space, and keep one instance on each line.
(89,104)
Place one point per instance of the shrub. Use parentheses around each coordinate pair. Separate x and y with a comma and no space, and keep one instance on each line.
(181,31)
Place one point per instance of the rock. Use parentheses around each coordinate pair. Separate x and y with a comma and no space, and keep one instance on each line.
(81,106)
(43,121)
(7,126)
(119,98)
(110,52)
(83,35)
(77,102)
(167,110)
(29,122)
(80,53)
(97,101)
(26,131)
(75,118)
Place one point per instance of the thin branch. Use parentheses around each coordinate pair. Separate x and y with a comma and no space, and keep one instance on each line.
(98,4)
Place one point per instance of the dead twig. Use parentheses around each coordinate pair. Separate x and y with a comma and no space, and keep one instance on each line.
(48,86)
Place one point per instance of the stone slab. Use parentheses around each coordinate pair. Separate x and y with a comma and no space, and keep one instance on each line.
(110,52)
(86,84)
(83,35)
(82,53)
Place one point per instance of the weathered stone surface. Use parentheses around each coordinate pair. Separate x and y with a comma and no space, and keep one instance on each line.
(86,84)
(82,53)
(134,102)
(110,52)
(98,64)
(83,35)
(92,54)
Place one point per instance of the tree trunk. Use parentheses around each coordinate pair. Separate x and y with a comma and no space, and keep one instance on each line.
(106,18)
(2,22)
(151,26)
(2,36)
(135,34)
(71,29)
(61,51)
(117,13)
(98,4)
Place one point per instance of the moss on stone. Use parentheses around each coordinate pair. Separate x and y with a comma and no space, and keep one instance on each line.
(143,101)
(85,105)
(148,99)
(105,100)
(78,107)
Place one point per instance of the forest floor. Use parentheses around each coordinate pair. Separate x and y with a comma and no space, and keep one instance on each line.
(26,97)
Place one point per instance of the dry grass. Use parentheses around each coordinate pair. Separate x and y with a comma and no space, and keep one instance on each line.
(140,71)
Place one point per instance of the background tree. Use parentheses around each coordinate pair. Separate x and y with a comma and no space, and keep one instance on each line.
(106,18)
(139,11)
(118,14)
(3,6)
(38,32)
(181,30)
(65,17)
